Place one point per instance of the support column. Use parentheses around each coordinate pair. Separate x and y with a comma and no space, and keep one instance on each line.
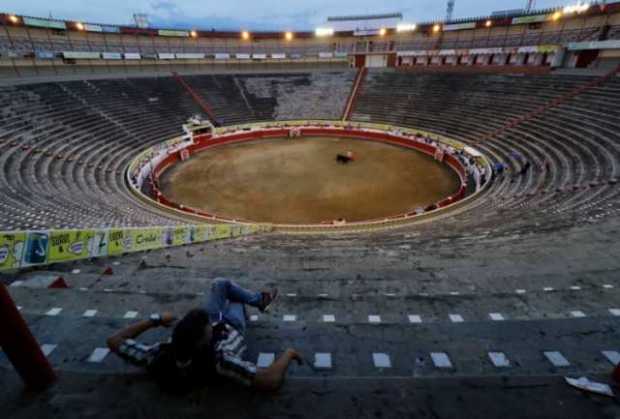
(21,347)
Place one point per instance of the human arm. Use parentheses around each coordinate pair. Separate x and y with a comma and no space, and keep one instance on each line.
(134,330)
(271,378)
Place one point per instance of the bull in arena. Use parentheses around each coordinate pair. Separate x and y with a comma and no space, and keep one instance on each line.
(344,158)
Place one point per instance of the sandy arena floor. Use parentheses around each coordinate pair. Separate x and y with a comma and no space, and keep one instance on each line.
(299,181)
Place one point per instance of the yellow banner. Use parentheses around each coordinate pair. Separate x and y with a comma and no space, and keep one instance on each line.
(11,249)
(67,245)
(222,231)
(146,239)
(120,242)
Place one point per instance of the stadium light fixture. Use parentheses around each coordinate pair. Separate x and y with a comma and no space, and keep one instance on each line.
(488,23)
(382,32)
(288,36)
(193,34)
(324,31)
(13,19)
(245,35)
(576,8)
(556,16)
(79,26)
(436,27)
(406,27)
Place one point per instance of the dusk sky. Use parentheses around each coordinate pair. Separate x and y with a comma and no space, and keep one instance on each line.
(254,14)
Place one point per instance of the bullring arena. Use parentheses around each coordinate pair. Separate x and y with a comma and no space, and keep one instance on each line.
(437,206)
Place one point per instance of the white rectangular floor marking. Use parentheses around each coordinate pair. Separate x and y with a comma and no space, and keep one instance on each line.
(98,355)
(130,315)
(374,319)
(499,359)
(456,318)
(254,318)
(323,295)
(47,349)
(441,360)
(557,359)
(608,286)
(520,291)
(612,356)
(454,293)
(575,288)
(265,359)
(17,283)
(615,311)
(323,360)
(289,318)
(381,360)
(75,271)
(577,314)
(291,294)
(390,294)
(547,289)
(329,318)
(54,311)
(415,318)
(496,316)
(90,313)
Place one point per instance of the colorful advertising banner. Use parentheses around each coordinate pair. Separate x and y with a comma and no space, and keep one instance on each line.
(65,245)
(20,249)
(11,249)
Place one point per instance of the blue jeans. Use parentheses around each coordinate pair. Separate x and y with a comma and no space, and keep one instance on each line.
(227,303)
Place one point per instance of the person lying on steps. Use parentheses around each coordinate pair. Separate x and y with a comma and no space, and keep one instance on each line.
(206,345)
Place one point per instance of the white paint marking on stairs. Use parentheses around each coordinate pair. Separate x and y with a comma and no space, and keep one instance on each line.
(329,318)
(548,289)
(265,359)
(130,315)
(441,360)
(381,360)
(75,271)
(499,359)
(116,263)
(254,318)
(455,293)
(615,311)
(415,318)
(612,356)
(497,317)
(557,359)
(375,319)
(291,295)
(577,314)
(98,355)
(17,283)
(90,313)
(19,308)
(47,349)
(608,286)
(322,360)
(520,291)
(390,294)
(289,318)
(456,318)
(83,289)
(54,311)
(323,295)
(575,288)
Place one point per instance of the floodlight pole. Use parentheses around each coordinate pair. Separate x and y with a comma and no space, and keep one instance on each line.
(21,347)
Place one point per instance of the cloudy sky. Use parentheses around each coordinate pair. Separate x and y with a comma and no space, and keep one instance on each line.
(254,14)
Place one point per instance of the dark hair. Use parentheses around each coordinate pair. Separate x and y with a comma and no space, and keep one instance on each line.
(188,334)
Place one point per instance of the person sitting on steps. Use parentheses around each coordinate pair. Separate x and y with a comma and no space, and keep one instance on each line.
(206,345)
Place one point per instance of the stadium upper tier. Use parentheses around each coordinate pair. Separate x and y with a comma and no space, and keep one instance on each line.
(64,145)
(25,40)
